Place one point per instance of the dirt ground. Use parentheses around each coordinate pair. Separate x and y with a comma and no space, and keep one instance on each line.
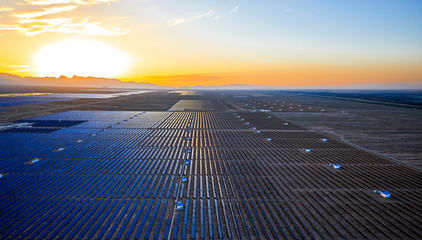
(389,130)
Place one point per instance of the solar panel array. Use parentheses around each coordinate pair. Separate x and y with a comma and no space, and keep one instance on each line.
(14,101)
(272,105)
(122,175)
(197,105)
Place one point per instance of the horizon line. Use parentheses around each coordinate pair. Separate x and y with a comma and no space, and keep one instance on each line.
(231,86)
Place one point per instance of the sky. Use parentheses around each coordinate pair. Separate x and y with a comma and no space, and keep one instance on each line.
(292,43)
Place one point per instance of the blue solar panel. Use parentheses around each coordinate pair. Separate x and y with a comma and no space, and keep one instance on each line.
(29,130)
(113,174)
(15,101)
(53,123)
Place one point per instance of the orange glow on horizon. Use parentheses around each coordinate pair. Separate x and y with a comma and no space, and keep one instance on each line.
(283,76)
(296,76)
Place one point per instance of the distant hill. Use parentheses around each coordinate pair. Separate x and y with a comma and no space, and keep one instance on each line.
(9,79)
(75,81)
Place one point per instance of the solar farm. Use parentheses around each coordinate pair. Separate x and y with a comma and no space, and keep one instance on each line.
(203,168)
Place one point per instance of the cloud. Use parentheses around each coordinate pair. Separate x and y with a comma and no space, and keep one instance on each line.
(44,19)
(78,2)
(15,68)
(234,10)
(177,21)
(211,12)
(43,12)
(84,26)
(6,9)
(10,27)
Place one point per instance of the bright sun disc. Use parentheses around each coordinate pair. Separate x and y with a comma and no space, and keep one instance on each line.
(81,58)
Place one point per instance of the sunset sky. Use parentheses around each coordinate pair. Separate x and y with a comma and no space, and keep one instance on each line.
(190,42)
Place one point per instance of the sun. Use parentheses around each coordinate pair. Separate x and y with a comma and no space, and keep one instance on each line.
(81,58)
